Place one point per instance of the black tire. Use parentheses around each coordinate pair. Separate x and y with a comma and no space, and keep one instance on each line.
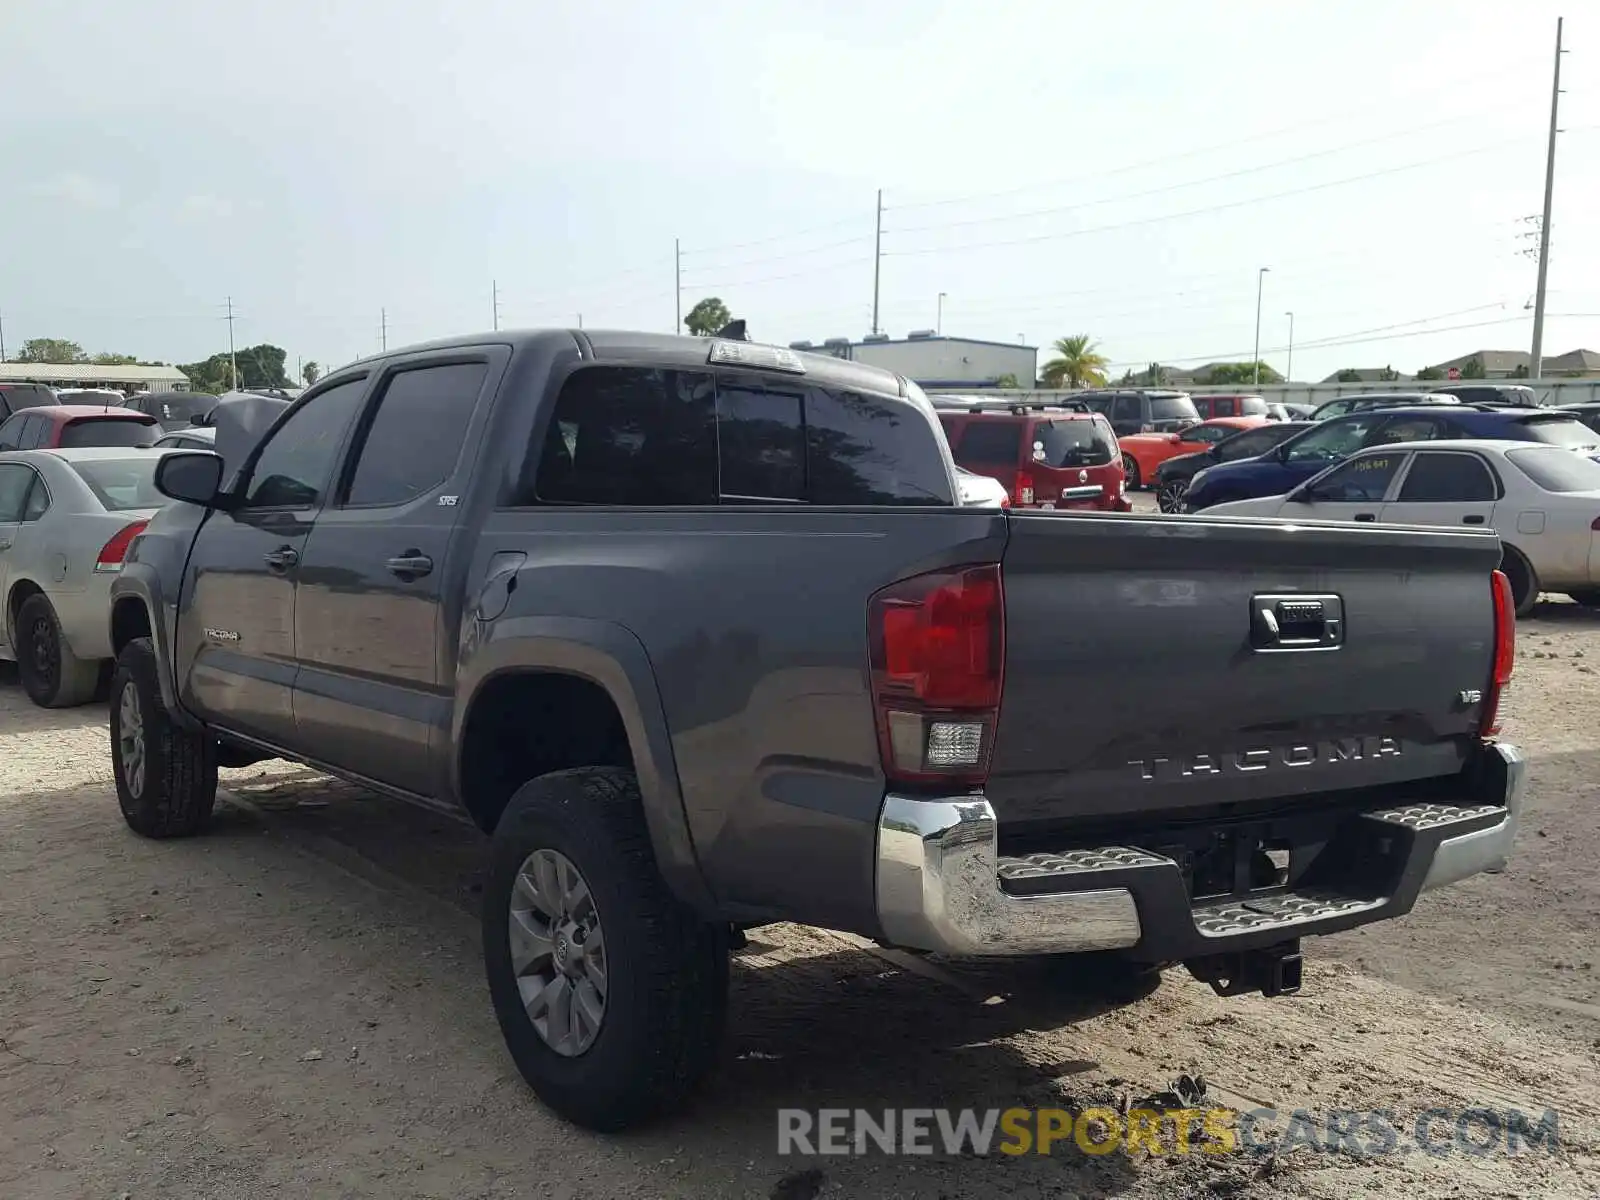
(667,990)
(176,789)
(51,674)
(1130,471)
(1589,599)
(1524,583)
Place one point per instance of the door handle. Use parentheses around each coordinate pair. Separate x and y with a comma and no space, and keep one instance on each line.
(282,558)
(411,565)
(1472,519)
(1366,516)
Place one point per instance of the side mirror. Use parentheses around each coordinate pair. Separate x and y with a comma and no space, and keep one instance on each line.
(193,476)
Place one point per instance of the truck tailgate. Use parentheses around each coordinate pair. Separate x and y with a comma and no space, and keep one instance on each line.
(1141,675)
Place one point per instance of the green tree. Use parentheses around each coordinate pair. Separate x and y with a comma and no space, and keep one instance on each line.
(1521,371)
(1157,374)
(1473,368)
(705,318)
(1239,373)
(1430,373)
(1389,375)
(259,366)
(51,350)
(1077,364)
(1007,381)
(1348,375)
(310,372)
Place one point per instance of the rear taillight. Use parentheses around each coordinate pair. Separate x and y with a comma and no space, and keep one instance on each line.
(1505,653)
(114,551)
(1023,492)
(937,655)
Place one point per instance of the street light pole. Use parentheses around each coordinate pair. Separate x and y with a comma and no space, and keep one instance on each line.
(938,324)
(1288,374)
(1261,279)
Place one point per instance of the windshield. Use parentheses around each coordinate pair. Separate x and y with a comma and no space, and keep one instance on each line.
(122,483)
(1557,470)
(108,431)
(1076,444)
(1173,408)
(1561,431)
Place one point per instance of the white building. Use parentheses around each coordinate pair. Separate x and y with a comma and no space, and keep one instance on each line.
(88,375)
(934,361)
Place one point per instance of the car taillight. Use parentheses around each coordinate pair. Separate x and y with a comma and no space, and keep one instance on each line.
(114,551)
(1024,489)
(1505,652)
(937,648)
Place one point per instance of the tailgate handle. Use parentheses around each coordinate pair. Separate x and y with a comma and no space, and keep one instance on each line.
(1296,622)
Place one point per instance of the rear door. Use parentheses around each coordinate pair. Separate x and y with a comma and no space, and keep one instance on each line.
(1096,726)
(1445,487)
(15,482)
(1081,467)
(374,639)
(236,635)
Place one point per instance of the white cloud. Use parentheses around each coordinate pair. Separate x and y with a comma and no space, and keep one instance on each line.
(80,190)
(202,205)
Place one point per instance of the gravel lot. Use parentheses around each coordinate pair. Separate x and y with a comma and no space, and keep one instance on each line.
(293,1006)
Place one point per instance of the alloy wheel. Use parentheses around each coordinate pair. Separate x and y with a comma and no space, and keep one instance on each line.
(130,739)
(558,952)
(1169,496)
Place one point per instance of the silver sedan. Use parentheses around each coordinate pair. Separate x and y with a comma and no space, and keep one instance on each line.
(67,518)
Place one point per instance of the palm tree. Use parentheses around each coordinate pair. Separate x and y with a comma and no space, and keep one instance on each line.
(1076,364)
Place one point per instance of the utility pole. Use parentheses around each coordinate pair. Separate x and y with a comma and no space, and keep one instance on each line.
(677,283)
(877,260)
(233,362)
(580,320)
(938,322)
(1261,279)
(494,285)
(1536,366)
(2,337)
(1288,372)
(383,328)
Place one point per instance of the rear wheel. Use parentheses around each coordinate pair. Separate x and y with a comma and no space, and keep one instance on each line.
(1169,494)
(1524,583)
(1130,468)
(51,674)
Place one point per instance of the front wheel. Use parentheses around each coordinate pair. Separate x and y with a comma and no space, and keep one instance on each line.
(610,993)
(166,775)
(1170,493)
(1130,469)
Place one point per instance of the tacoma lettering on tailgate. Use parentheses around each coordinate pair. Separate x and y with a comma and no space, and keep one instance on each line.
(1265,758)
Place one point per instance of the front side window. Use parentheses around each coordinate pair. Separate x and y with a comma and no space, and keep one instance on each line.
(1439,477)
(1364,481)
(1248,445)
(1333,441)
(295,467)
(761,441)
(415,438)
(631,436)
(1209,434)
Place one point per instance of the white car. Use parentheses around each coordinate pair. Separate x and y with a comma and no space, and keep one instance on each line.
(1543,501)
(67,518)
(189,437)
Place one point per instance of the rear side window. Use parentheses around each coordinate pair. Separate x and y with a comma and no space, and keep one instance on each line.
(1440,477)
(99,431)
(990,442)
(631,435)
(1250,444)
(863,450)
(1076,444)
(761,441)
(11,432)
(1128,408)
(414,440)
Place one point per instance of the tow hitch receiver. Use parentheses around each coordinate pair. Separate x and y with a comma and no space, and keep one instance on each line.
(1272,971)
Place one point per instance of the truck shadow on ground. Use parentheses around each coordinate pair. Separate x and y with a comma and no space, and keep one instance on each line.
(814,1021)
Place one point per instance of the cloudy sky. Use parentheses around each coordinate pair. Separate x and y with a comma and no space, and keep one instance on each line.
(1054,168)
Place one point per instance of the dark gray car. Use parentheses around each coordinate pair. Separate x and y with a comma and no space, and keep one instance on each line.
(696,631)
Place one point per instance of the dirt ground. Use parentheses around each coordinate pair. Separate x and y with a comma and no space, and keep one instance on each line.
(293,1006)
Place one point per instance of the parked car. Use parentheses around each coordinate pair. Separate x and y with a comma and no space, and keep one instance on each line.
(16,396)
(172,410)
(1279,412)
(101,397)
(1045,457)
(1172,477)
(1298,411)
(695,630)
(1518,395)
(1219,405)
(1366,401)
(1543,501)
(195,437)
(66,520)
(1325,442)
(72,425)
(1142,411)
(1587,411)
(1142,453)
(980,491)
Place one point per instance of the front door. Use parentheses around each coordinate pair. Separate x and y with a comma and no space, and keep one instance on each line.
(1352,492)
(375,642)
(236,643)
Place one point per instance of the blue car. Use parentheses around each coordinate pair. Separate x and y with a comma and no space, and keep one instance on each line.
(1296,460)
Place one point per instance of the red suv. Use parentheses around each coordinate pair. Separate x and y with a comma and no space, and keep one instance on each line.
(1045,457)
(66,425)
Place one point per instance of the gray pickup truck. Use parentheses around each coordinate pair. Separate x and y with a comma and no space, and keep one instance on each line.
(697,632)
